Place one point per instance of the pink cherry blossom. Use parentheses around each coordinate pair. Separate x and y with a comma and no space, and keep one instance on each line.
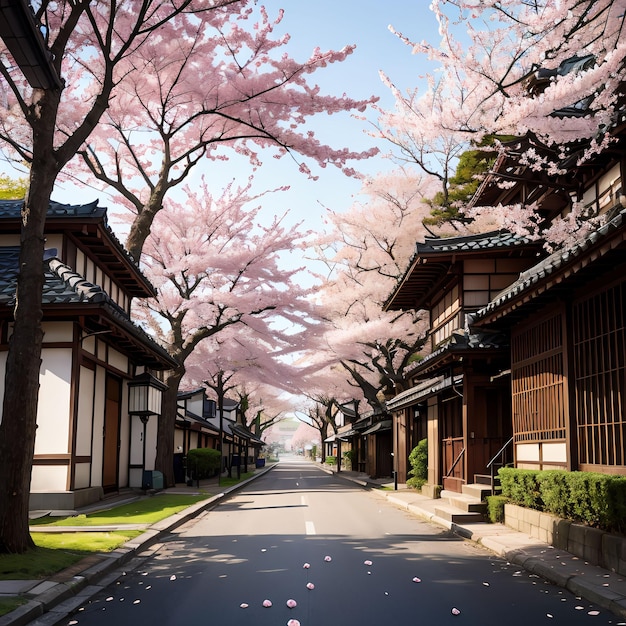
(293,622)
(292,603)
(327,559)
(456,611)
(417,580)
(306,565)
(367,563)
(267,603)
(243,605)
(310,586)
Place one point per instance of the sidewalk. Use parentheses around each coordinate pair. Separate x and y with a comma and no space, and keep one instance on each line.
(595,584)
(52,600)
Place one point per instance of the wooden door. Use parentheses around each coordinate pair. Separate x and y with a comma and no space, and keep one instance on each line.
(111,434)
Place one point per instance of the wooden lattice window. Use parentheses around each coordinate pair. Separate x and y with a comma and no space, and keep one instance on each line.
(599,342)
(537,381)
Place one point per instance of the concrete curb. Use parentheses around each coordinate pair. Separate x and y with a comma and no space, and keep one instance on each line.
(59,599)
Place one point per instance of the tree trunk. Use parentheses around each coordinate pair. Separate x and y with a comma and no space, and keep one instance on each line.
(21,390)
(167,425)
(19,410)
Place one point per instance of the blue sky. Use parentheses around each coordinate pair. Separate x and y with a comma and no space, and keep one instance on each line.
(332,24)
(329,24)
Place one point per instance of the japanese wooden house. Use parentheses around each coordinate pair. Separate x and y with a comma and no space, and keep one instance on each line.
(88,442)
(198,426)
(460,399)
(566,319)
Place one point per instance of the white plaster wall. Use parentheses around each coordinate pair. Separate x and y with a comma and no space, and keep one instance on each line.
(136,441)
(98,429)
(53,411)
(57,331)
(554,452)
(194,404)
(49,478)
(82,474)
(527,452)
(84,428)
(151,441)
(118,360)
(123,476)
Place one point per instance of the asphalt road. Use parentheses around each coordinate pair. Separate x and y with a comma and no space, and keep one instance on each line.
(344,555)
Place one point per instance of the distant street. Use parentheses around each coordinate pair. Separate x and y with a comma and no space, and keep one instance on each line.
(368,563)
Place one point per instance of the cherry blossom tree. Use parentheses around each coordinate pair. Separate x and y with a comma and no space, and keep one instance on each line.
(219,84)
(367,250)
(90,44)
(552,72)
(214,268)
(114,55)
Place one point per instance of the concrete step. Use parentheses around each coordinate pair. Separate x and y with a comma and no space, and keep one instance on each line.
(480,492)
(465,503)
(457,516)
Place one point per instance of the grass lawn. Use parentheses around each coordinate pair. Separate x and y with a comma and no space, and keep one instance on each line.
(56,551)
(145,511)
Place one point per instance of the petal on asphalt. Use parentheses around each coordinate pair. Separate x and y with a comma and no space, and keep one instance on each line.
(292,603)
(306,565)
(367,563)
(267,603)
(456,611)
(327,559)
(310,586)
(293,622)
(173,577)
(417,580)
(243,605)
(593,613)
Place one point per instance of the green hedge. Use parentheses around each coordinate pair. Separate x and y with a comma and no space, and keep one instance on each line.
(495,509)
(590,498)
(203,462)
(418,460)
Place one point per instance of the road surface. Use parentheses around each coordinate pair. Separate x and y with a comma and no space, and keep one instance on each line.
(341,555)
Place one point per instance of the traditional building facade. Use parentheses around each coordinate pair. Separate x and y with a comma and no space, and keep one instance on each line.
(526,348)
(459,399)
(89,441)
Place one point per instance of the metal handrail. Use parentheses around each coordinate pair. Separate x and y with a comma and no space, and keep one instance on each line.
(458,458)
(500,451)
(491,464)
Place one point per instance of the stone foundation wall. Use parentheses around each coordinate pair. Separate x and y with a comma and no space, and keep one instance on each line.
(591,544)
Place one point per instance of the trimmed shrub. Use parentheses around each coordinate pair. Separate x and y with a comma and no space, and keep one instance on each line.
(521,487)
(590,498)
(331,460)
(203,462)
(495,509)
(419,465)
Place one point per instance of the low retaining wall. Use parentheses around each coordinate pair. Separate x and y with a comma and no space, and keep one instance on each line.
(591,544)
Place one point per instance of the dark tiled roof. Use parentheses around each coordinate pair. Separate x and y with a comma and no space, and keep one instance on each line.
(494,240)
(63,286)
(552,265)
(87,223)
(432,260)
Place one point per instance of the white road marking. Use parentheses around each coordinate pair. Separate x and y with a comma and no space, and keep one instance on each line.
(310,528)
(303,501)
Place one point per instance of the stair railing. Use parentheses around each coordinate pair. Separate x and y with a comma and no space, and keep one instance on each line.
(458,458)
(491,466)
